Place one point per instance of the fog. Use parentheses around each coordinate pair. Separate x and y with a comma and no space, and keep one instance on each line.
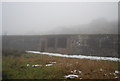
(37,18)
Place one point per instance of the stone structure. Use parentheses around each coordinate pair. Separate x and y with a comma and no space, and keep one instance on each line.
(97,45)
(56,43)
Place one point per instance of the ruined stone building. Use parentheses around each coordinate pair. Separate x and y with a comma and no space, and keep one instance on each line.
(97,45)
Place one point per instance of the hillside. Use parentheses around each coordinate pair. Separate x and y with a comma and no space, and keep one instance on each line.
(34,66)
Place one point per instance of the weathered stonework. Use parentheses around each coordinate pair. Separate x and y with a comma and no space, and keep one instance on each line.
(101,45)
(98,45)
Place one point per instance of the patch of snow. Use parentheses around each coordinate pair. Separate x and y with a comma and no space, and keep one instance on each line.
(71,76)
(53,62)
(101,69)
(71,71)
(114,74)
(116,77)
(105,74)
(76,62)
(80,72)
(49,65)
(110,73)
(80,78)
(76,56)
(28,64)
(36,65)
(33,52)
(117,72)
(76,72)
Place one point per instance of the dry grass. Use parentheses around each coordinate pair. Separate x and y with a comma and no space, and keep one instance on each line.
(90,68)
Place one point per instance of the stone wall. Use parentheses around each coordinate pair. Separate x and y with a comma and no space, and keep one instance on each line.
(62,44)
(97,45)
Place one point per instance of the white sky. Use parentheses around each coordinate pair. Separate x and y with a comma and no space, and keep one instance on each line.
(36,17)
(60,0)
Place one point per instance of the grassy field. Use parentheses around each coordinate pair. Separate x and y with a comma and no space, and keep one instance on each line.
(15,67)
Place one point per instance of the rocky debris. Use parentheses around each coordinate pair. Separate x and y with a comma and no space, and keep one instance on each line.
(105,74)
(76,72)
(112,74)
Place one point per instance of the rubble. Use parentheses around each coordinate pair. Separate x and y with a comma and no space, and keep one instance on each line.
(76,72)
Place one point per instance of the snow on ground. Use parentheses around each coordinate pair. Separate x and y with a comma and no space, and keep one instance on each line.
(53,62)
(71,76)
(76,56)
(49,65)
(117,72)
(36,65)
(76,72)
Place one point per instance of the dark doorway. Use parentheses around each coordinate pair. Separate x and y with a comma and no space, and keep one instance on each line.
(42,46)
(51,43)
(62,42)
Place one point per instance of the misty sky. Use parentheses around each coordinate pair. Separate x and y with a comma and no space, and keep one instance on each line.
(26,18)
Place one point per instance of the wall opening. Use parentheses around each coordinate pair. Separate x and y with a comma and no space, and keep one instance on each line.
(42,46)
(51,43)
(62,43)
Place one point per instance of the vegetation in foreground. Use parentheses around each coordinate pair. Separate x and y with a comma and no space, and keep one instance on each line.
(18,65)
